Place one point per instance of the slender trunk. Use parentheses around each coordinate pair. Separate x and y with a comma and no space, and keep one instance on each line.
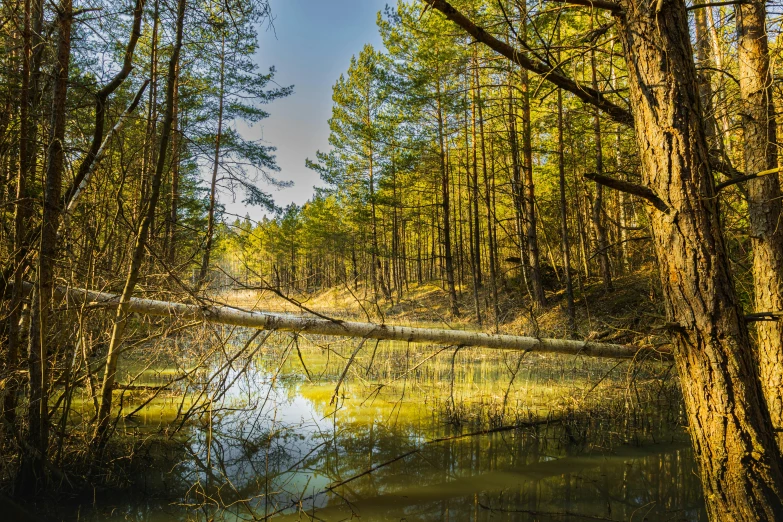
(534,258)
(22,212)
(445,196)
(705,82)
(764,197)
(602,245)
(215,167)
(32,55)
(41,319)
(118,330)
(176,143)
(471,244)
(487,203)
(566,246)
(475,195)
(152,110)
(721,116)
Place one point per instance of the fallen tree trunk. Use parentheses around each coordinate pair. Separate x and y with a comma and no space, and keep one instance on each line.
(315,325)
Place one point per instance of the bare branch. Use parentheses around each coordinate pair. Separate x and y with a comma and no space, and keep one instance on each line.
(584,93)
(740,179)
(630,188)
(614,8)
(716,4)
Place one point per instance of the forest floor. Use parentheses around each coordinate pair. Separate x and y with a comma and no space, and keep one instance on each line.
(627,314)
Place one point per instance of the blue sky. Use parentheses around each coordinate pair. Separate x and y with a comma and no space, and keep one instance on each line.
(312,44)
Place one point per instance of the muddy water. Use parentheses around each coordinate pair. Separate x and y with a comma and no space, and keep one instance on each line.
(415,434)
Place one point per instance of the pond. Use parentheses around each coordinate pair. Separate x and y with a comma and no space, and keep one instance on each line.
(286,432)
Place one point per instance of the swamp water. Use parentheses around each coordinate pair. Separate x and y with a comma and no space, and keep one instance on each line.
(413,433)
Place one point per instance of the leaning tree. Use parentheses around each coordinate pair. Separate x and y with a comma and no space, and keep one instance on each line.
(729,421)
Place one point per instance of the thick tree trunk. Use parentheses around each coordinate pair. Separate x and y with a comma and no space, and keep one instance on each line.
(730,428)
(764,197)
(122,304)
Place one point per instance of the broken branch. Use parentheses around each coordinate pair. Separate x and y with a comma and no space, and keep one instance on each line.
(630,188)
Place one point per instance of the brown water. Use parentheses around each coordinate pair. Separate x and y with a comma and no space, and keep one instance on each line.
(274,444)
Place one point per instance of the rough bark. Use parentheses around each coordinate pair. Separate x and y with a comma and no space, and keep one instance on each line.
(764,197)
(730,428)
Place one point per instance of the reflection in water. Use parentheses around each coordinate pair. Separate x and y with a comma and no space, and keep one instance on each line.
(274,444)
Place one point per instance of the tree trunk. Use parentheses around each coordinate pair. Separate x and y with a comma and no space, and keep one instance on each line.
(566,244)
(118,330)
(764,198)
(597,214)
(22,208)
(41,318)
(487,203)
(533,259)
(230,315)
(176,144)
(444,176)
(202,276)
(730,428)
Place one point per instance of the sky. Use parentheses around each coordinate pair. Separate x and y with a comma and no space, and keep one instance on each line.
(311,45)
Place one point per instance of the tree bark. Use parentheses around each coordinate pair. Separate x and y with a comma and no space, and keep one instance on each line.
(764,197)
(176,144)
(730,429)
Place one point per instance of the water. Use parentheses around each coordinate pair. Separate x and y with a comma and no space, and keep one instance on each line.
(273,443)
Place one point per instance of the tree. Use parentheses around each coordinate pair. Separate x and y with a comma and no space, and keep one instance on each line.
(731,430)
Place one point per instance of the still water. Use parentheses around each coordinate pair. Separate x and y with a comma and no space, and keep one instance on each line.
(411,433)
